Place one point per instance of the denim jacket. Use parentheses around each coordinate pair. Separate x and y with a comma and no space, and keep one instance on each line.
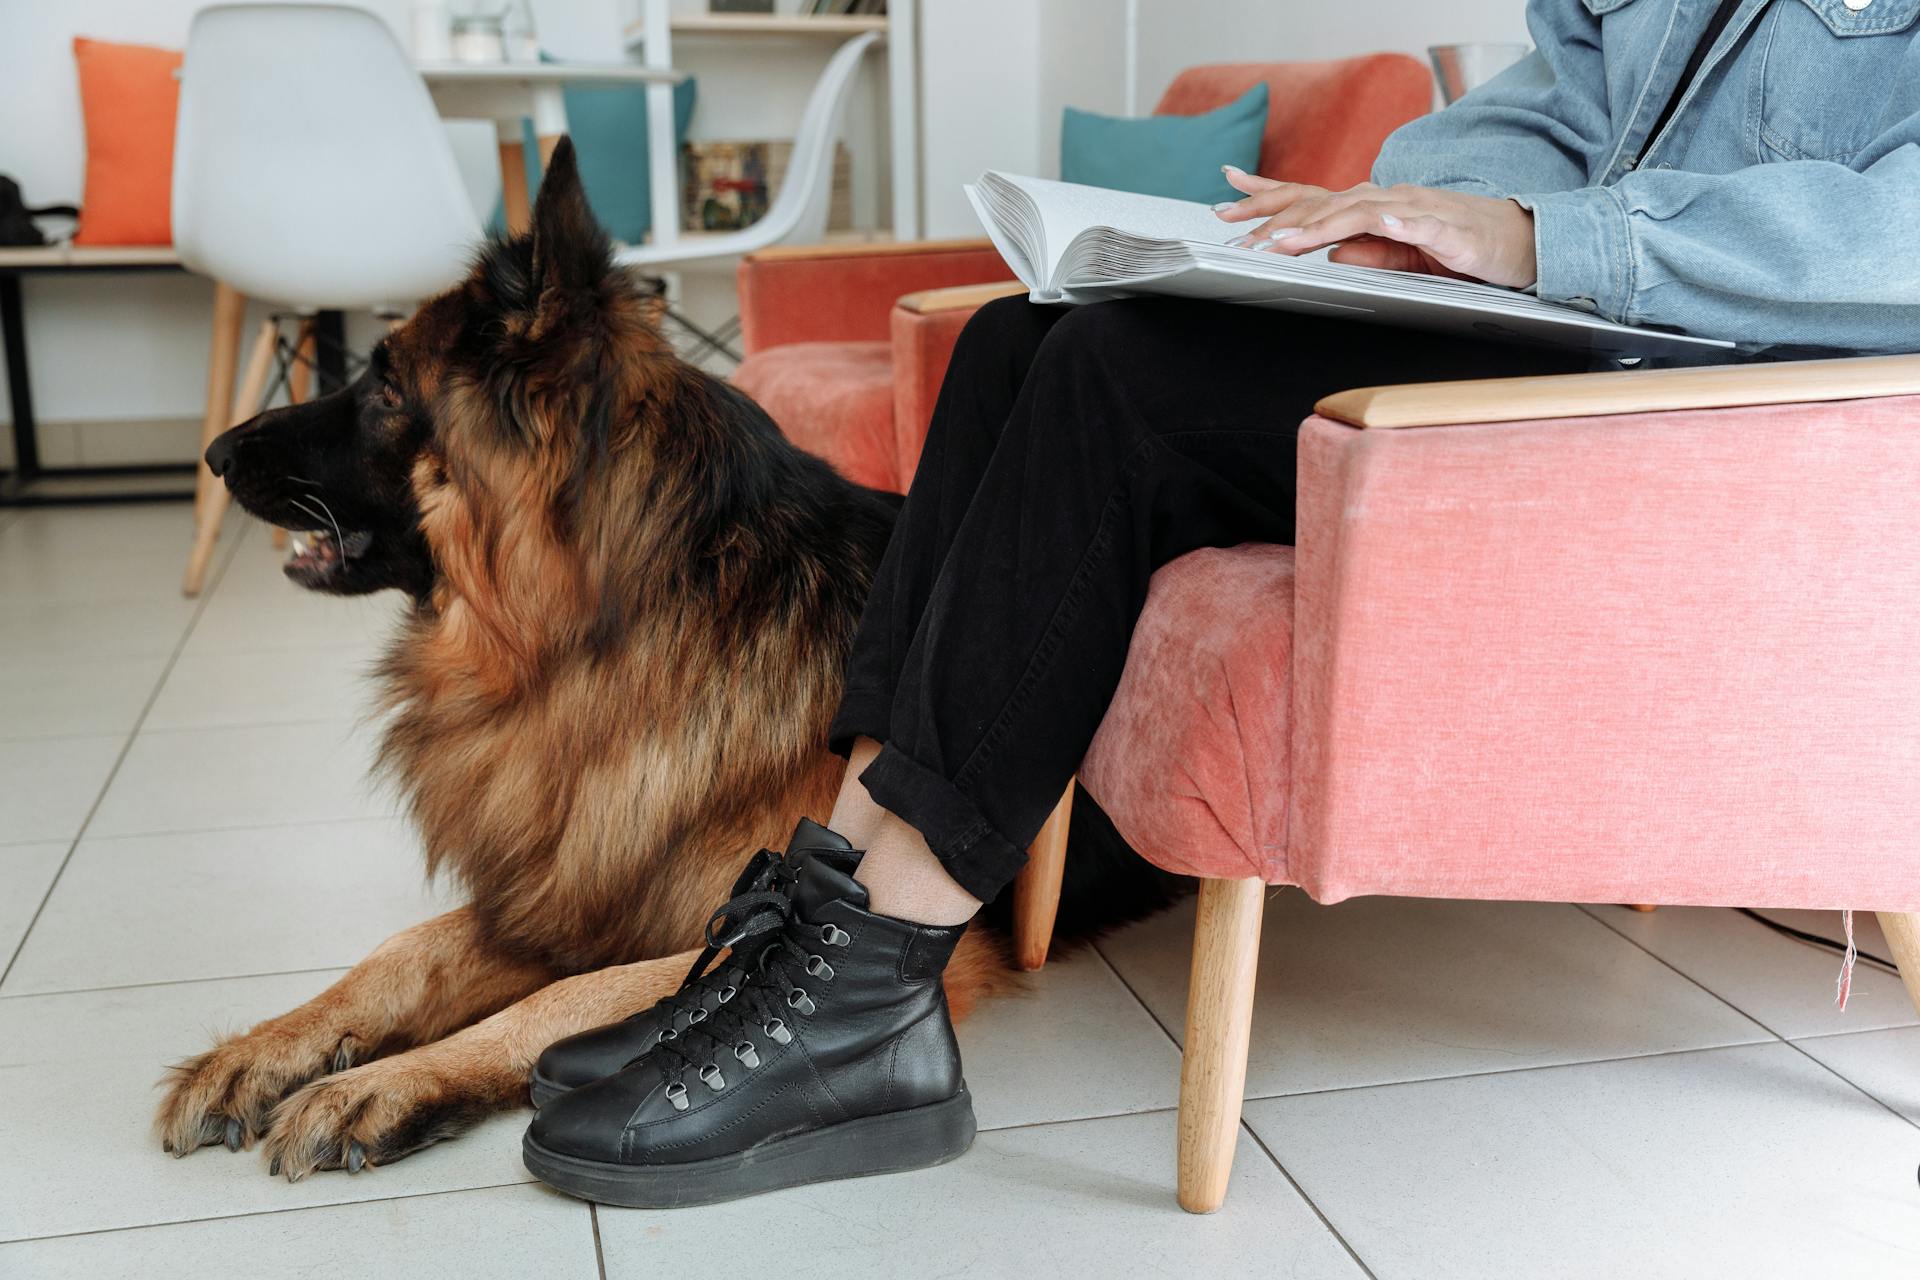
(1779,208)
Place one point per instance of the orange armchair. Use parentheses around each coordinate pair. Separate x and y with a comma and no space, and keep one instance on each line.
(847,344)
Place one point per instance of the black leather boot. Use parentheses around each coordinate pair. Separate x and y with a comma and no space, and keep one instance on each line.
(834,1058)
(752,916)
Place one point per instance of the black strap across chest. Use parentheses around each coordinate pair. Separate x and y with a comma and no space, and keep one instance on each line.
(1715,25)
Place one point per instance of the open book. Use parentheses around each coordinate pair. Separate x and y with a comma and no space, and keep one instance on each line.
(1070,243)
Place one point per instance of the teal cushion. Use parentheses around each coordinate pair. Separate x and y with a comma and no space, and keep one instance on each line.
(1177,156)
(608,125)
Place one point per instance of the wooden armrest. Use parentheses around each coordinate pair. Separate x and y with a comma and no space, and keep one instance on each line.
(961,297)
(865,249)
(1586,395)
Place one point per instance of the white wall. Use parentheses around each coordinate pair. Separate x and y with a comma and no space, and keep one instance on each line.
(994,77)
(120,348)
(996,73)
(1175,34)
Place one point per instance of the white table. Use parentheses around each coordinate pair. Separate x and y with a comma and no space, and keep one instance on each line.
(509,92)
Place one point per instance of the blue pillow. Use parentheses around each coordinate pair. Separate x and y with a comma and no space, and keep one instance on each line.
(1177,156)
(608,124)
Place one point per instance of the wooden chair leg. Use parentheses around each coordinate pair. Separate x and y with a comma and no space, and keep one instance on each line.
(1644,907)
(214,507)
(223,357)
(1903,937)
(1213,1067)
(513,186)
(299,382)
(1036,891)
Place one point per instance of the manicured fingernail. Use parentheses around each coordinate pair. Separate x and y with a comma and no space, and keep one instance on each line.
(1239,242)
(1283,233)
(1225,205)
(1388,220)
(1233,168)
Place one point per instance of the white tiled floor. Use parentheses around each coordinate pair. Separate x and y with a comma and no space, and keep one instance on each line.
(187,845)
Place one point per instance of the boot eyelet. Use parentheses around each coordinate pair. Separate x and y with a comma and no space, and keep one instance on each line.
(777,1031)
(711,1074)
(819,968)
(726,994)
(834,936)
(747,1054)
(677,1095)
(800,1000)
(669,1034)
(697,1017)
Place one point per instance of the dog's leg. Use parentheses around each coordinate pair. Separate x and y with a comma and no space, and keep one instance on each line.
(416,986)
(376,1113)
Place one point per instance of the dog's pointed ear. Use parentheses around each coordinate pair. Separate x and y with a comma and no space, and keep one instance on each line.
(569,248)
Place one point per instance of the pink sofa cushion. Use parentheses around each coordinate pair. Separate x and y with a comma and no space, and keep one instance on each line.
(1191,761)
(833,399)
(1664,658)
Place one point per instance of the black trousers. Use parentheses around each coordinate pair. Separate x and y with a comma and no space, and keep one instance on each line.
(1073,451)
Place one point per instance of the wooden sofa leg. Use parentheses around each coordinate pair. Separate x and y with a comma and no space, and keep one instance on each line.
(212,506)
(1036,891)
(1903,937)
(1213,1067)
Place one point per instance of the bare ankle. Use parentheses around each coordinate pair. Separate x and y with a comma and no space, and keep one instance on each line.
(855,815)
(905,880)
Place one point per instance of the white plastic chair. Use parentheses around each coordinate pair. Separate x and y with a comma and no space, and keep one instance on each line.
(310,171)
(799,210)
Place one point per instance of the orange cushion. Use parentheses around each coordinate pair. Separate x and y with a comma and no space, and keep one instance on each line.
(129,97)
(833,399)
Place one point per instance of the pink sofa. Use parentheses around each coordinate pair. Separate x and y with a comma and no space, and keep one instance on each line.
(1629,637)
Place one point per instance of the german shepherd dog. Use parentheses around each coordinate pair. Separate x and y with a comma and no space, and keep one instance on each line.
(631,603)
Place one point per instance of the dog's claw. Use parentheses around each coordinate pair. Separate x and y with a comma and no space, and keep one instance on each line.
(356,1157)
(233,1134)
(273,1167)
(341,1058)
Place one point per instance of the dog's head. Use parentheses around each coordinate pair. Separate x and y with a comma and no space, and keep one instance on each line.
(486,407)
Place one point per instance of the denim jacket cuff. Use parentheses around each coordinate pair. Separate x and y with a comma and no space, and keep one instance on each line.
(1580,240)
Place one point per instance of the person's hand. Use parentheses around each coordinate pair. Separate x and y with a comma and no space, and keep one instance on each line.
(1402,228)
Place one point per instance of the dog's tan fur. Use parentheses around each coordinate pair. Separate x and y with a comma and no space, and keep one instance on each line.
(592,780)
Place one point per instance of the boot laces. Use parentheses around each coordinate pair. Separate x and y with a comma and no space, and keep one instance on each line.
(760,904)
(773,992)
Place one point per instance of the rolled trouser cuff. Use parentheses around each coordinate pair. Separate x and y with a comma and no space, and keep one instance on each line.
(863,713)
(975,854)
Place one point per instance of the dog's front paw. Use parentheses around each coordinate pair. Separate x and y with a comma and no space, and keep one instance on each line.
(227,1094)
(373,1115)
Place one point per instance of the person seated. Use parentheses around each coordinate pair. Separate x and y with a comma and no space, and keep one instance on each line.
(1765,189)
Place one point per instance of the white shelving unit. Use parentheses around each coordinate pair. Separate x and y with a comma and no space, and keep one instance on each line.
(903,95)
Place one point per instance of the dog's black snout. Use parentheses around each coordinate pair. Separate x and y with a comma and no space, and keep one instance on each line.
(220,455)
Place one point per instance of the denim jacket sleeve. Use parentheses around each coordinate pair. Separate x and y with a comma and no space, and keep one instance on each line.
(1799,252)
(1540,125)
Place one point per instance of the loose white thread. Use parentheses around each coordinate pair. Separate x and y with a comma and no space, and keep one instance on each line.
(1844,986)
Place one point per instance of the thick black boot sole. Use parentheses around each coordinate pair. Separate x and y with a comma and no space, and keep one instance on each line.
(891,1143)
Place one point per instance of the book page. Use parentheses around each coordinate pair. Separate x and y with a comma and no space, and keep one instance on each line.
(1066,209)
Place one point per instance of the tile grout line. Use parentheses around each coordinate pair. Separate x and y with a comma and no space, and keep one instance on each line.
(169,982)
(1301,1191)
(1265,1150)
(1585,909)
(599,1251)
(1514,1071)
(267,1213)
(199,611)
